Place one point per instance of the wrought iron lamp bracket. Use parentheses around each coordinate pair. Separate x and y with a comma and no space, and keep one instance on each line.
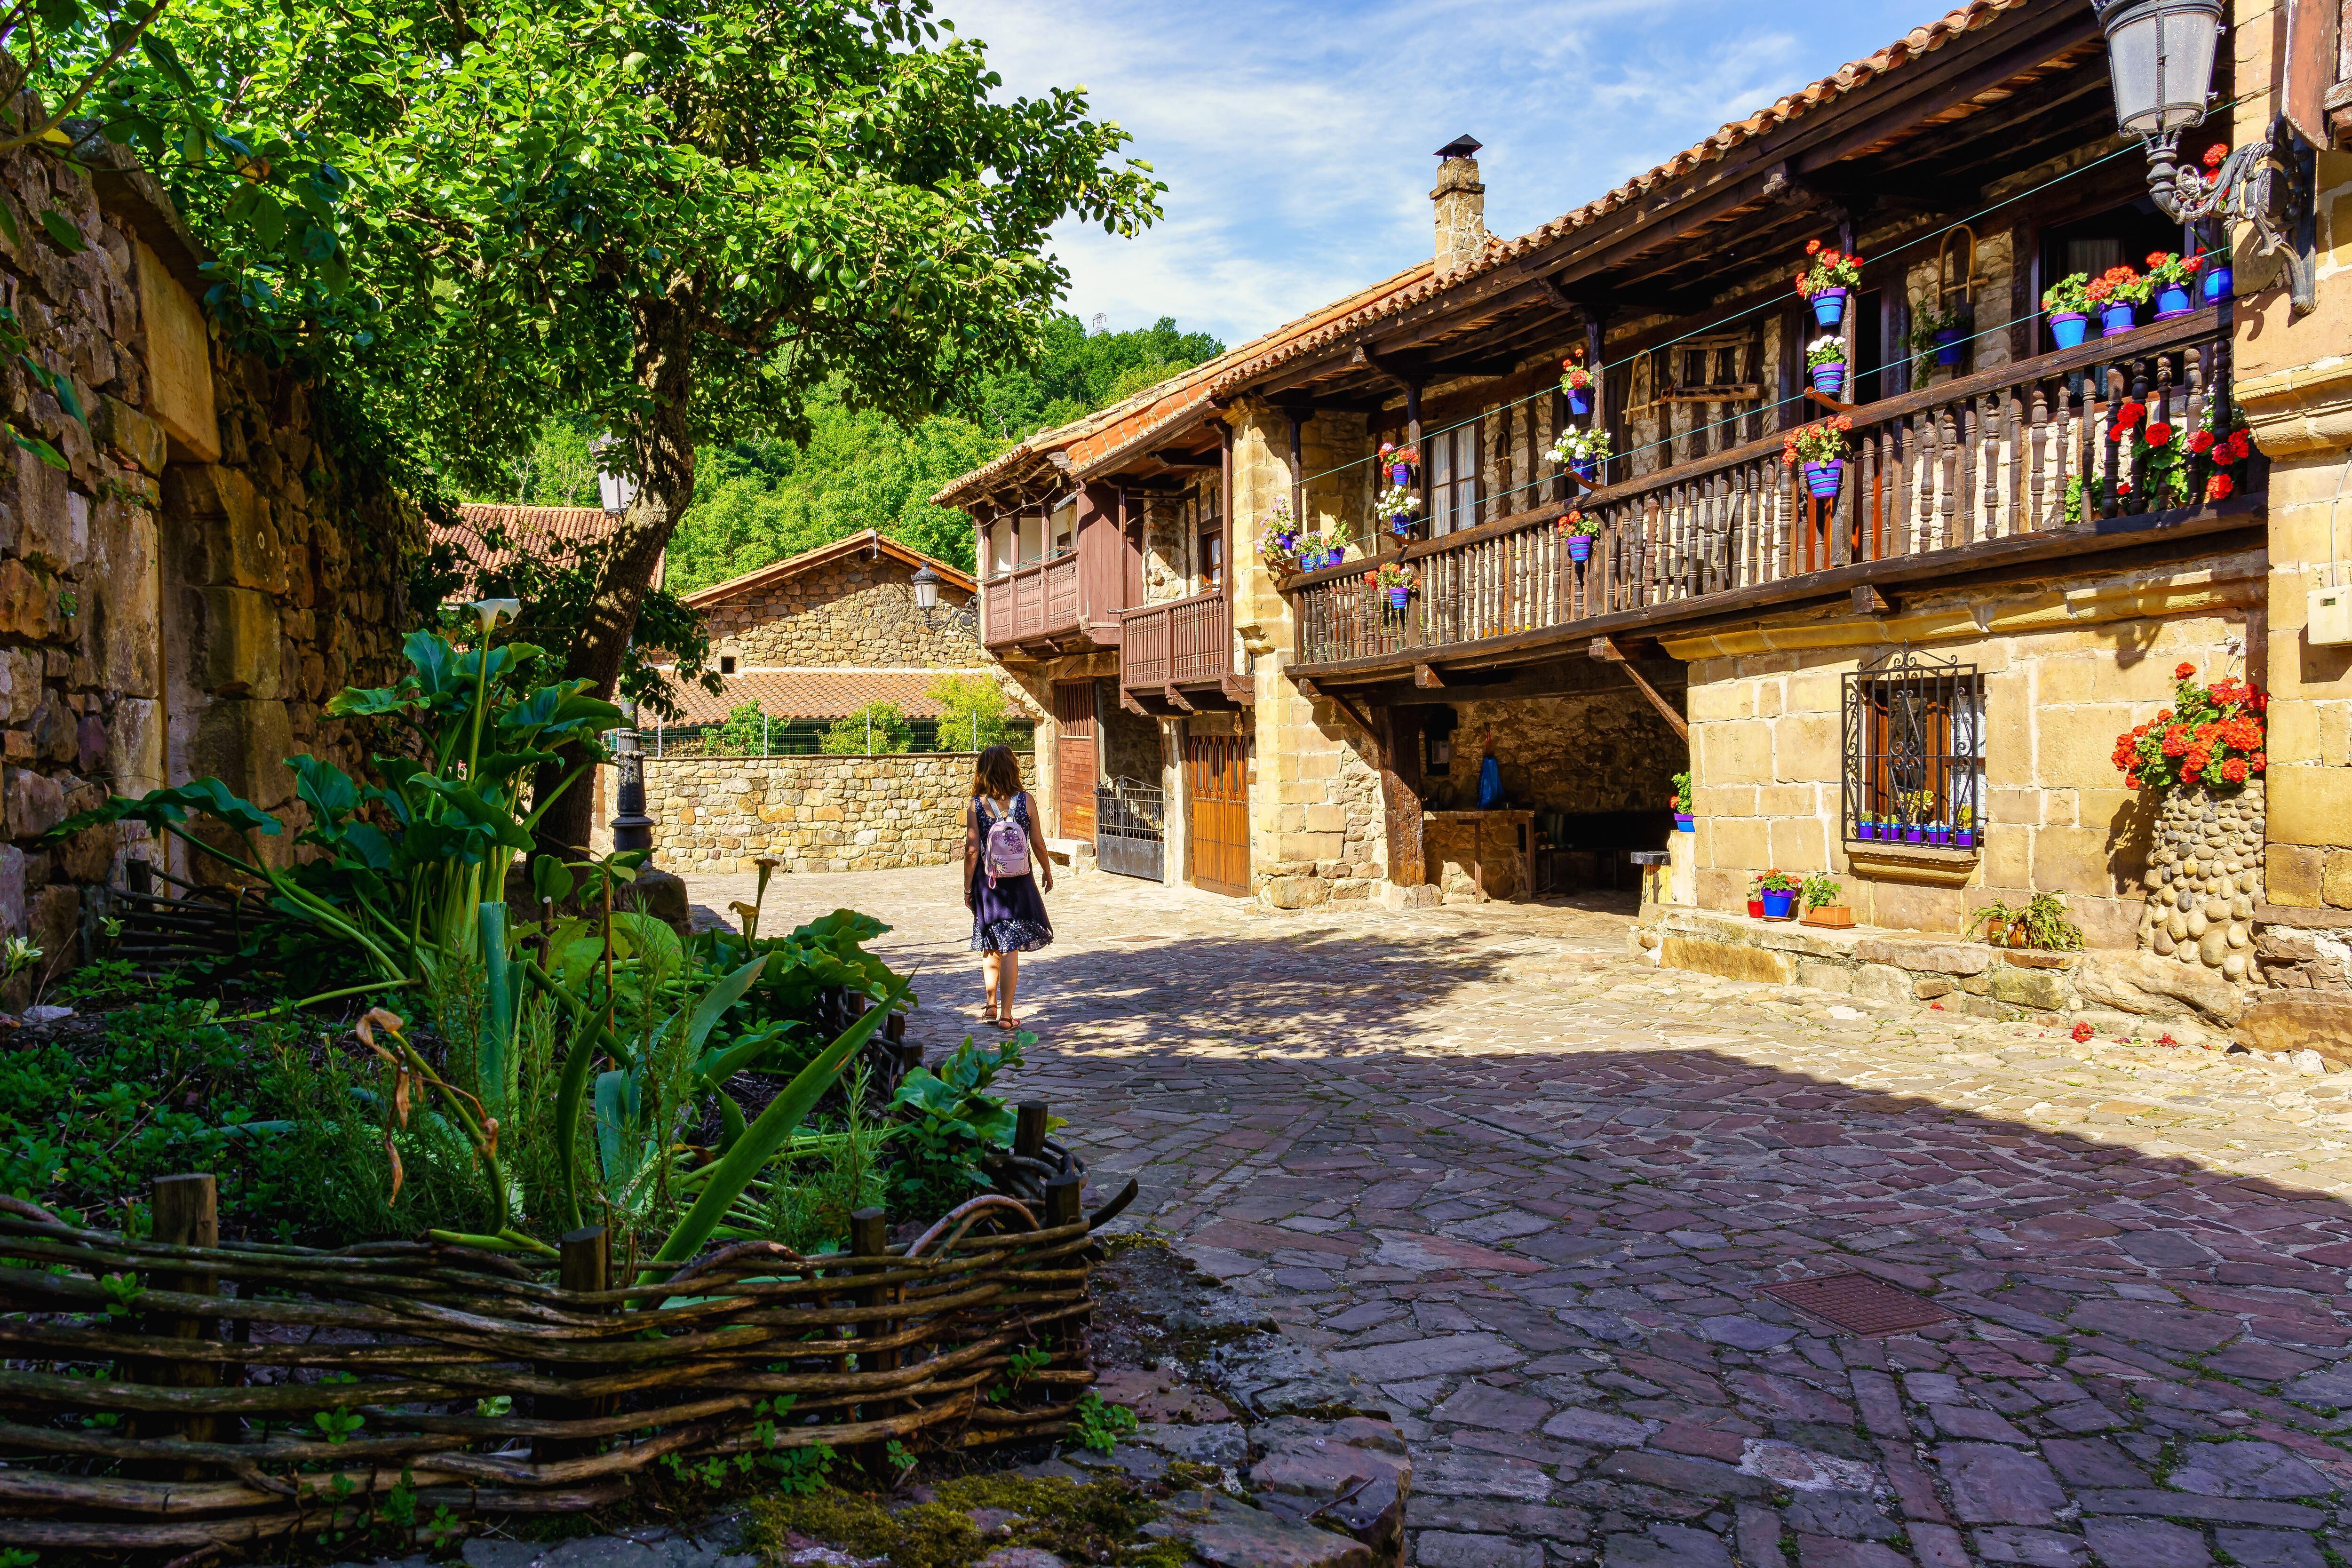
(2268,185)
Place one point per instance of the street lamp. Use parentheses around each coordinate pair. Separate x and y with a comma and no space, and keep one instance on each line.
(613,490)
(927,599)
(2160,61)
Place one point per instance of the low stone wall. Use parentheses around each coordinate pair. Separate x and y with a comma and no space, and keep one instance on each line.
(815,813)
(2205,876)
(1959,976)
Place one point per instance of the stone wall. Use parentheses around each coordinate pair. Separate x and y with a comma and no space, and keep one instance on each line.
(857,611)
(2205,877)
(2066,667)
(206,570)
(815,813)
(1599,752)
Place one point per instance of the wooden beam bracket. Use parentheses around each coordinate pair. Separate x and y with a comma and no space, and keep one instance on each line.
(1606,648)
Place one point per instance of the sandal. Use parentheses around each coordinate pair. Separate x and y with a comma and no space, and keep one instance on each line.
(1007,1024)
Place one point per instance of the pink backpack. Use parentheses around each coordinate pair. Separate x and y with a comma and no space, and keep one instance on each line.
(1003,843)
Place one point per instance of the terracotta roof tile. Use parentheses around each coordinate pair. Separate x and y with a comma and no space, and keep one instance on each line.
(955,577)
(533,530)
(814,693)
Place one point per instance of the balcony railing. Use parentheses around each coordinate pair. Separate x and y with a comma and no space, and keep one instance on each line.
(1035,601)
(1178,642)
(1988,456)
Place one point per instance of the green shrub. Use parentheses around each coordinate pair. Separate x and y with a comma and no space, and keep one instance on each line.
(878,729)
(972,712)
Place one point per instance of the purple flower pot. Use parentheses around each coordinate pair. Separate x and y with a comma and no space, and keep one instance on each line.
(1580,547)
(1830,379)
(1400,474)
(1965,838)
(1823,478)
(2218,284)
(1580,399)
(2171,300)
(1829,307)
(1865,830)
(2067,327)
(2114,319)
(1937,832)
(1951,342)
(1399,598)
(1777,904)
(1287,542)
(1586,468)
(1683,822)
(1915,834)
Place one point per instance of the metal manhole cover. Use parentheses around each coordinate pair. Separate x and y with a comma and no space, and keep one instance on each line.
(1859,1303)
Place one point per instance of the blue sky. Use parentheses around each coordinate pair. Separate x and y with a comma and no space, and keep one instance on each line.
(1295,138)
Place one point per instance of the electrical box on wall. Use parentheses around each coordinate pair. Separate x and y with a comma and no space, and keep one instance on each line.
(2328,623)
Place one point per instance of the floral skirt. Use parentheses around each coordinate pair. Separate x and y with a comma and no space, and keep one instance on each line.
(1009,917)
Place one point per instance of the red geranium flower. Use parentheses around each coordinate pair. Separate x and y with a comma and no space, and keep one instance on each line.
(2159,434)
(2127,414)
(2183,670)
(2234,771)
(2201,441)
(2214,154)
(1812,247)
(2221,487)
(2156,258)
(2259,761)
(2082,1032)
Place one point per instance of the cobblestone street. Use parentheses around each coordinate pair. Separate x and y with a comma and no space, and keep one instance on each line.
(1531,1189)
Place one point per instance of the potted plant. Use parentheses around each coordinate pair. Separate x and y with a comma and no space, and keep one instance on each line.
(2043,923)
(1997,918)
(1579,530)
(1944,333)
(1826,280)
(1400,461)
(1396,505)
(2117,294)
(1395,581)
(1865,826)
(1826,358)
(1683,820)
(2068,301)
(1278,537)
(1822,448)
(1755,901)
(1822,905)
(2168,277)
(1577,382)
(1778,890)
(2215,736)
(1963,825)
(1581,450)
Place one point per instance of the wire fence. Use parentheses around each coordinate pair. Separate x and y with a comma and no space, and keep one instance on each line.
(805,738)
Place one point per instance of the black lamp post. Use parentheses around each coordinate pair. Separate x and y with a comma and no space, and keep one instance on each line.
(927,599)
(2160,60)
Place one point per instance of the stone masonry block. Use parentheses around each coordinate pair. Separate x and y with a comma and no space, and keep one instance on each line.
(1800,845)
(2074,750)
(2073,860)
(227,539)
(1805,748)
(2336,881)
(2292,874)
(2310,805)
(1738,843)
(236,648)
(1736,753)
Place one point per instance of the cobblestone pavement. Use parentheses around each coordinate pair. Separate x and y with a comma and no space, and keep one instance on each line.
(1531,1188)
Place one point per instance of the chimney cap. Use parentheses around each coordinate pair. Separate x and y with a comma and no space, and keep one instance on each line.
(1462,146)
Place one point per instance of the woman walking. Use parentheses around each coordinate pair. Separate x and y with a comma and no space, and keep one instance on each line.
(1008,916)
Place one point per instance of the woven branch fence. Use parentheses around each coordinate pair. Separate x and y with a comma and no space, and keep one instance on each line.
(157,1394)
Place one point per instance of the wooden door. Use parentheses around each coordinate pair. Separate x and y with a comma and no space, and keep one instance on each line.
(1073,757)
(1216,786)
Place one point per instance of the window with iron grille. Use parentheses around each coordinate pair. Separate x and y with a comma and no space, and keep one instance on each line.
(1913,736)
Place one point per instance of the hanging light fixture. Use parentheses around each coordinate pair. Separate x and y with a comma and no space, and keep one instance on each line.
(927,599)
(2160,63)
(615,490)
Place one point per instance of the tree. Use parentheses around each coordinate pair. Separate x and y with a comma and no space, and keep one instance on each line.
(745,733)
(877,730)
(673,221)
(971,712)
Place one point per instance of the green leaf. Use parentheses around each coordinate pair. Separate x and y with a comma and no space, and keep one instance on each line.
(167,59)
(327,788)
(63,233)
(550,880)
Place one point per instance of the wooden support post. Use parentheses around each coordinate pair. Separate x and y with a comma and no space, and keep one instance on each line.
(869,1236)
(185,1212)
(1400,796)
(1029,1130)
(587,1267)
(1297,474)
(1412,439)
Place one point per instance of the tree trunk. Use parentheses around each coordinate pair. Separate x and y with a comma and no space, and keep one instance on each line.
(663,446)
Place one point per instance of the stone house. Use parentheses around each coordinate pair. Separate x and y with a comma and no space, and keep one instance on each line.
(208,567)
(1949,636)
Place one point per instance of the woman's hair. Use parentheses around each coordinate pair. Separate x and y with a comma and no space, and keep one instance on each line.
(996,774)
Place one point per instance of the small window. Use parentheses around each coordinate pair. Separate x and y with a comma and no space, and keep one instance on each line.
(1914,737)
(726,664)
(1454,479)
(1212,559)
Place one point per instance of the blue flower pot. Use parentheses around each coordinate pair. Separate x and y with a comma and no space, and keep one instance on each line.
(1586,468)
(2067,327)
(1937,832)
(1683,822)
(1399,598)
(1823,478)
(1401,526)
(2218,284)
(1580,400)
(2114,319)
(1400,474)
(1950,344)
(2172,301)
(1830,379)
(1580,547)
(1776,905)
(1829,307)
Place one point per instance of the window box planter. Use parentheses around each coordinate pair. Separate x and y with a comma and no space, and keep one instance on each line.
(1836,917)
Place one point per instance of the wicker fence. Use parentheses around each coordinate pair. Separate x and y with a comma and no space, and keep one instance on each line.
(158,1395)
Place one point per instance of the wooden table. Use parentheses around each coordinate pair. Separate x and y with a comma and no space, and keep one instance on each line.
(1504,837)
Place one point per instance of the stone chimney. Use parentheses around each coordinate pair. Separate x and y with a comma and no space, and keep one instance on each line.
(1461,203)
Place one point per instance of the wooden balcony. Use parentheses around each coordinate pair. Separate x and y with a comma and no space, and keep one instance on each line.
(1036,608)
(1969,476)
(1177,657)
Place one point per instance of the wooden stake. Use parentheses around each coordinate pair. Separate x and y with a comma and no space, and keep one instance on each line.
(185,1212)
(1029,1130)
(586,1266)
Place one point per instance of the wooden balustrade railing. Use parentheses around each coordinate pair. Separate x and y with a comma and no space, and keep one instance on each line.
(1037,599)
(1177,641)
(2025,447)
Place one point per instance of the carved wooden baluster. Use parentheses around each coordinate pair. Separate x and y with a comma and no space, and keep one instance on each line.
(1947,477)
(2111,393)
(2140,389)
(2037,454)
(1971,438)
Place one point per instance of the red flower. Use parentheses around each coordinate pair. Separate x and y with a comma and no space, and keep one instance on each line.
(2201,441)
(2159,434)
(2167,1040)
(2082,1032)
(2183,670)
(2259,761)
(2214,154)
(2234,449)
(2234,771)
(1812,247)
(2127,414)
(2219,488)
(1829,259)
(2158,258)
(2131,780)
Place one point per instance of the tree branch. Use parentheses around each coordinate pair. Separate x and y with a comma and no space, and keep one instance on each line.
(97,72)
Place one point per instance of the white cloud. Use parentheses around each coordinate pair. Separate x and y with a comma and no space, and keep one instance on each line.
(1294,137)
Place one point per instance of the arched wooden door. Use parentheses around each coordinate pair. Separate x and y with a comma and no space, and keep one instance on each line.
(1073,757)
(1216,790)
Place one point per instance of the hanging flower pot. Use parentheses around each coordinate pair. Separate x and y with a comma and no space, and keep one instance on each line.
(1951,342)
(1683,822)
(2068,327)
(1829,380)
(1586,468)
(1580,400)
(1580,548)
(1400,474)
(2218,284)
(1401,526)
(1829,307)
(1399,598)
(2171,300)
(2114,318)
(1823,478)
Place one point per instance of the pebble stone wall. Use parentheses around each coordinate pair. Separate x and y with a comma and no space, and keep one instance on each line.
(815,813)
(2205,877)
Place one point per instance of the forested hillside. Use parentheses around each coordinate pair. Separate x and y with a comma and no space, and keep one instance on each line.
(761,500)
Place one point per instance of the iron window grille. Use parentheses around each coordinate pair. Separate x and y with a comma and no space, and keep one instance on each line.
(1914,748)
